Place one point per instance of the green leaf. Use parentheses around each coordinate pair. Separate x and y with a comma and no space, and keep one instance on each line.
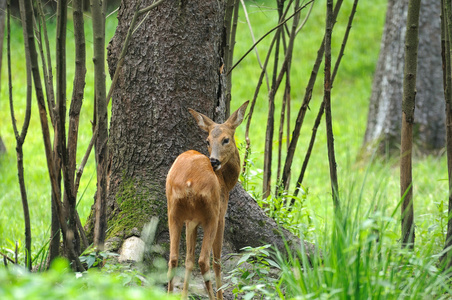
(249,296)
(272,263)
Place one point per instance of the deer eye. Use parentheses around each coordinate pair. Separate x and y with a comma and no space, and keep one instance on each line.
(225,141)
(207,143)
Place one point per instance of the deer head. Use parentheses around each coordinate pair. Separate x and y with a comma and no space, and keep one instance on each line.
(221,142)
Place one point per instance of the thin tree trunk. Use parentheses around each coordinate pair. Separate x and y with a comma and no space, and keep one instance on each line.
(62,150)
(101,148)
(20,139)
(76,105)
(327,100)
(409,95)
(268,149)
(446,24)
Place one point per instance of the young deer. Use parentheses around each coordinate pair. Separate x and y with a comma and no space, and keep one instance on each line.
(197,190)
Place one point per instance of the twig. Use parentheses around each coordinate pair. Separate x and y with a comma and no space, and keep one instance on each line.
(254,41)
(150,7)
(16,253)
(308,153)
(46,62)
(305,19)
(6,257)
(265,35)
(345,39)
(83,162)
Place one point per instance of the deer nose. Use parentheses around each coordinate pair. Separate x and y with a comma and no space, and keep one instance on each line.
(216,164)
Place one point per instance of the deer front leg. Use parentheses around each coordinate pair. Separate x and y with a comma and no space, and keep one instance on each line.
(191,233)
(217,246)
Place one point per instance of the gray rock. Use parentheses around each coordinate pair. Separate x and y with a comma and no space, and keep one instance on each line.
(132,250)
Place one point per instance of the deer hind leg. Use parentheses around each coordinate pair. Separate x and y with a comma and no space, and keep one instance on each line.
(191,233)
(175,232)
(217,246)
(210,230)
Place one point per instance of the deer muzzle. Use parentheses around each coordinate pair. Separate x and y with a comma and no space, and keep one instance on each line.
(216,164)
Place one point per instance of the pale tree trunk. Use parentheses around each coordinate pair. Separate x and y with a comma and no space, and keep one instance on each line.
(384,119)
(173,63)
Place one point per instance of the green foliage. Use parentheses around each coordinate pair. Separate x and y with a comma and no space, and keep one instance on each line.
(59,282)
(295,217)
(253,276)
(361,258)
(92,258)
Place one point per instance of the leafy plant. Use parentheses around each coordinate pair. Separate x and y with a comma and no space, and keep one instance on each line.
(59,282)
(93,259)
(296,217)
(254,275)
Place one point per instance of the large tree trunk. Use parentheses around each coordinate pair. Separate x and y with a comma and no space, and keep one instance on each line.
(385,118)
(173,63)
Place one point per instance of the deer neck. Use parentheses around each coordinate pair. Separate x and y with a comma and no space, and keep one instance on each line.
(229,172)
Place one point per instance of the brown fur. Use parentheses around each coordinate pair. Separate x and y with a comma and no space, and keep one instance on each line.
(198,195)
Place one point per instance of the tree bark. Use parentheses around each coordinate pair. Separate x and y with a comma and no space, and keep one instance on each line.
(384,120)
(327,101)
(173,63)
(408,103)
(446,27)
(101,117)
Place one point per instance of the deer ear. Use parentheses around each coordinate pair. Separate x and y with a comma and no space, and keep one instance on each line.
(204,122)
(237,117)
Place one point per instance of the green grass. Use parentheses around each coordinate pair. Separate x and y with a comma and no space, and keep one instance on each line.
(374,187)
(360,258)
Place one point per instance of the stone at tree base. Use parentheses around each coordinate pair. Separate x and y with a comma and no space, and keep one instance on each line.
(132,250)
